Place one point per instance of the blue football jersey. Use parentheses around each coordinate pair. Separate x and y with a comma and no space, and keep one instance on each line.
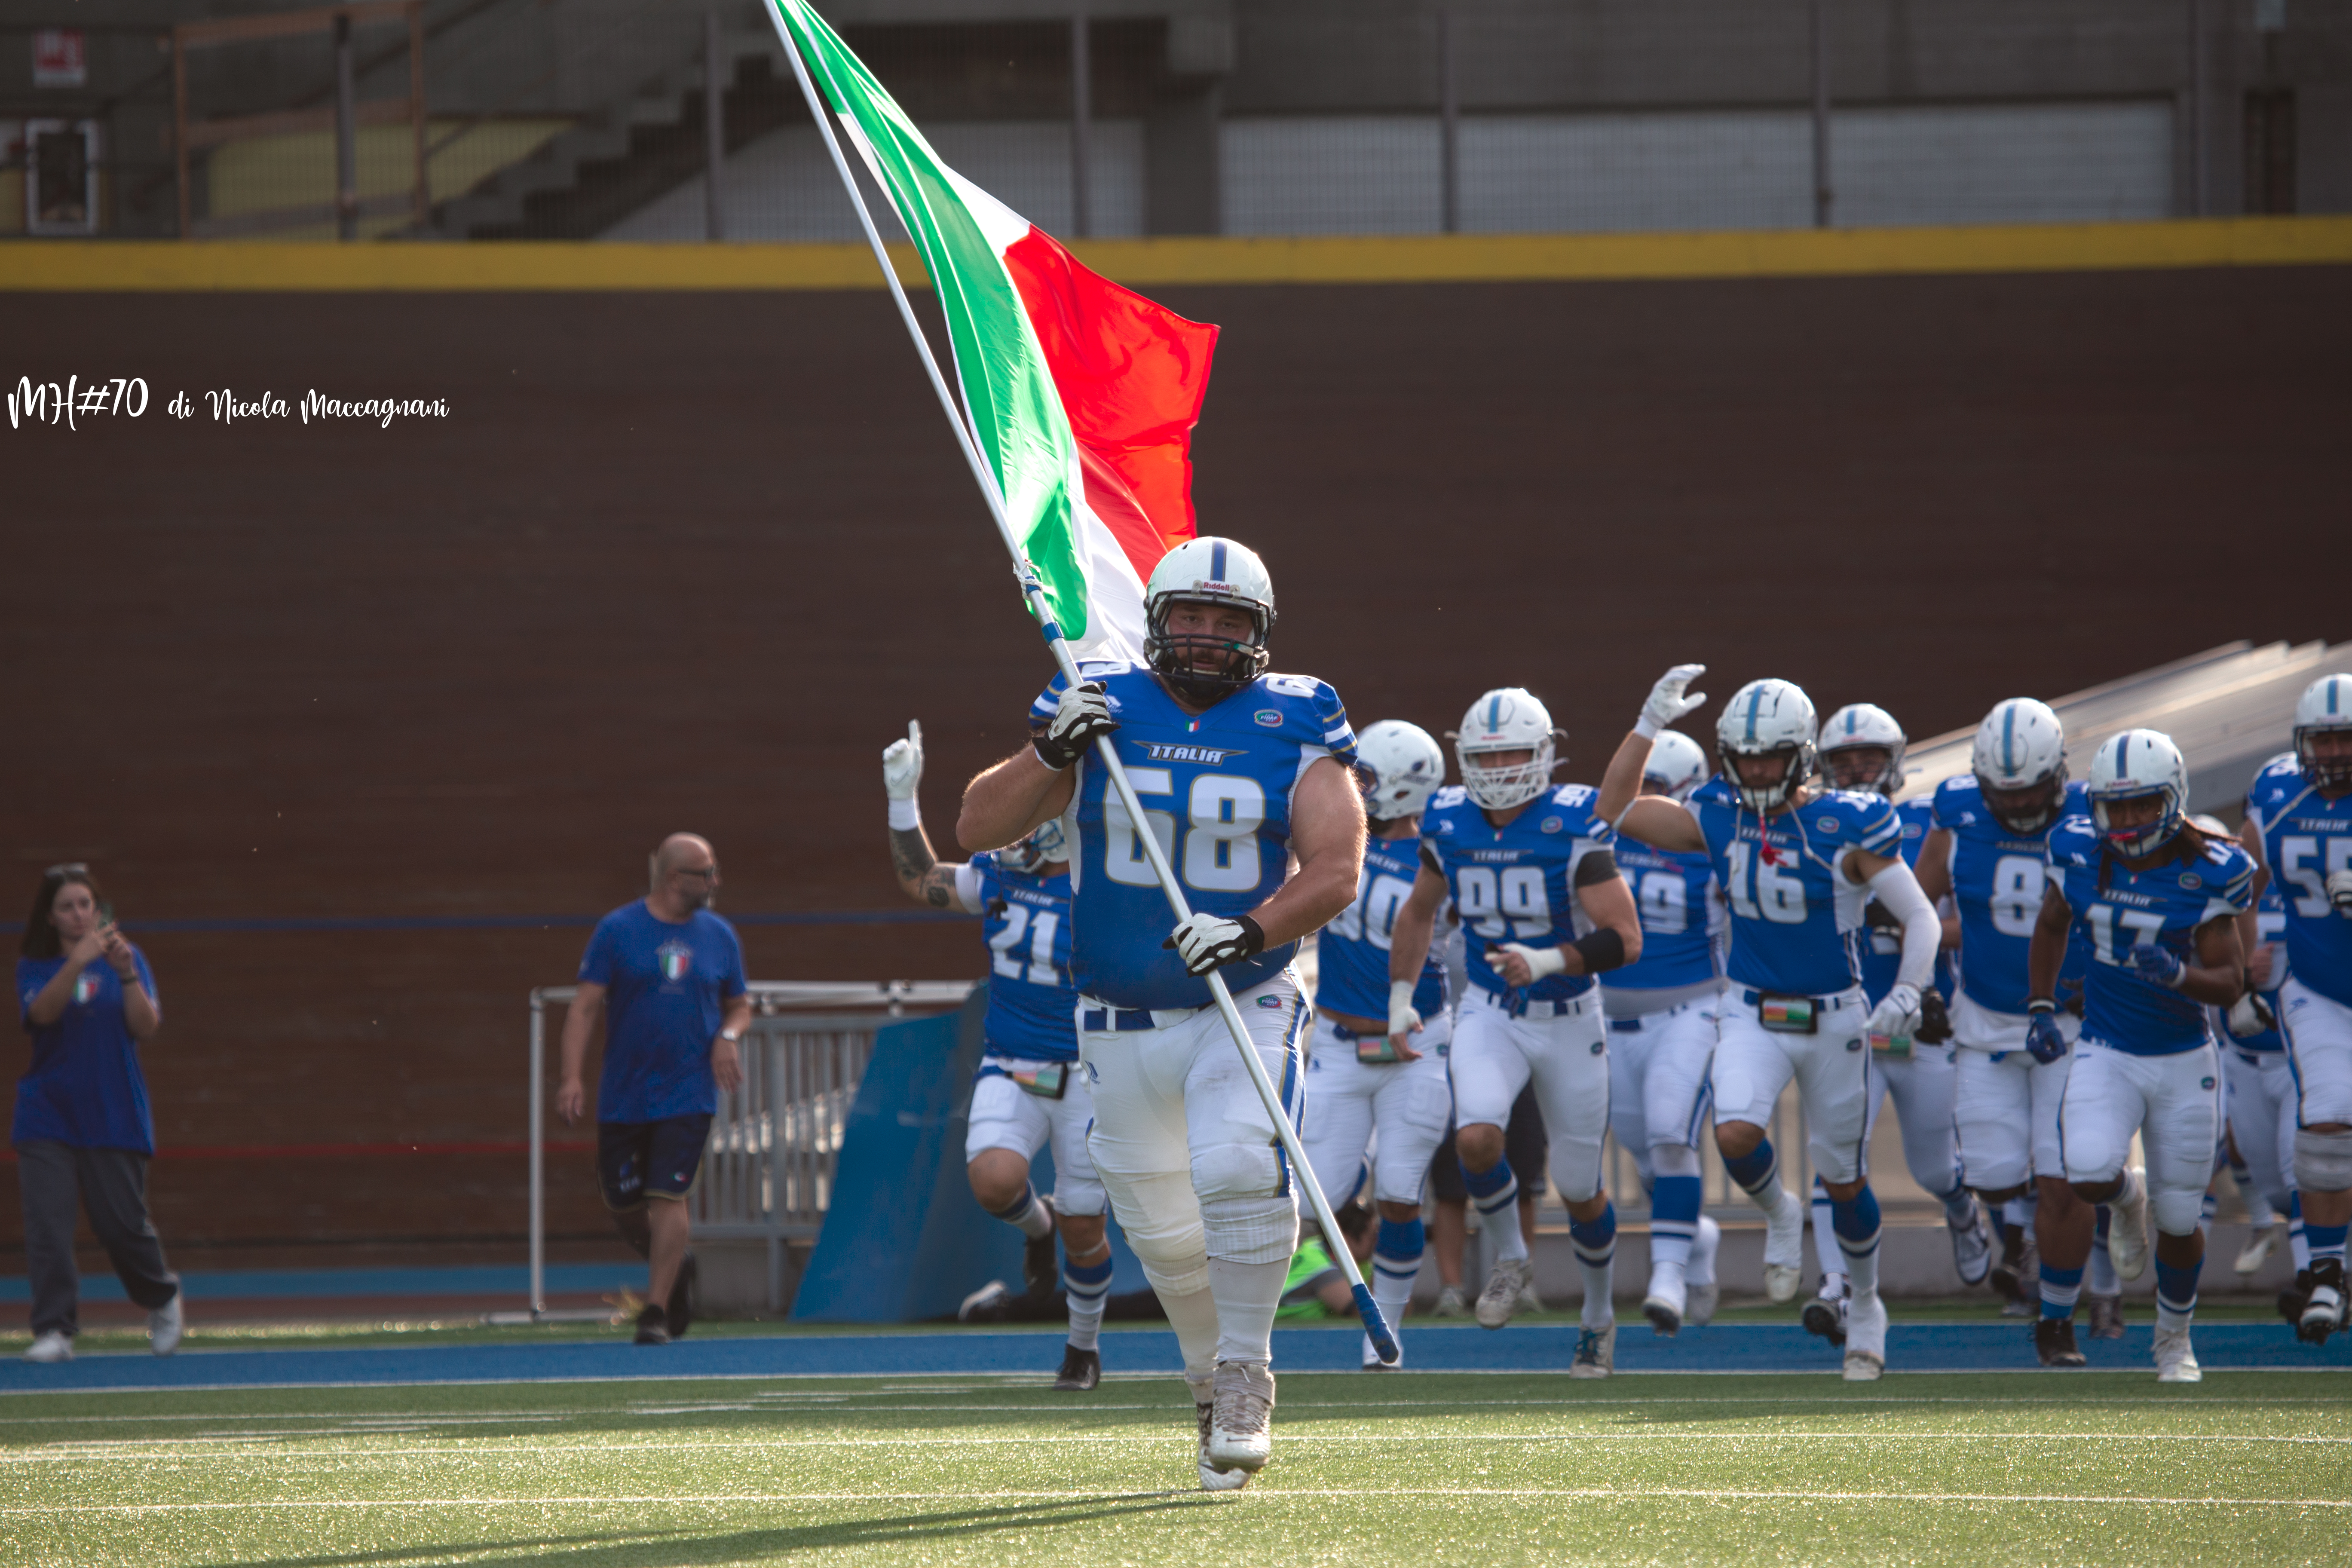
(2269,924)
(1515,883)
(1682,919)
(1352,954)
(1216,789)
(1882,946)
(2119,908)
(2306,838)
(1796,921)
(1998,878)
(1032,1005)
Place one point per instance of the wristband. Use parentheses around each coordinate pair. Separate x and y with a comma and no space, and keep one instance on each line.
(1601,951)
(2040,1005)
(905,816)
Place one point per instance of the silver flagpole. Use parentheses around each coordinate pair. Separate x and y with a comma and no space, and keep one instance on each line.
(1383,1342)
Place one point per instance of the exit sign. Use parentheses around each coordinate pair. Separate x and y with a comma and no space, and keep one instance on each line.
(60,58)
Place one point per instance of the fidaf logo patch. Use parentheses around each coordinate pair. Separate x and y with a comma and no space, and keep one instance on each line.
(1600,1046)
(1269,718)
(2191,880)
(1272,1003)
(1827,824)
(1551,825)
(1174,752)
(1853,1045)
(2206,1084)
(675,960)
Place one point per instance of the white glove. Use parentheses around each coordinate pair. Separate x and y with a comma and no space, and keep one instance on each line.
(2339,891)
(1542,962)
(1898,1017)
(1204,941)
(2250,1016)
(1082,713)
(1666,702)
(902,763)
(1403,1019)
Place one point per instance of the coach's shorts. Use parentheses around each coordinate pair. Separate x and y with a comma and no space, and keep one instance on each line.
(1525,1145)
(641,1160)
(1005,1116)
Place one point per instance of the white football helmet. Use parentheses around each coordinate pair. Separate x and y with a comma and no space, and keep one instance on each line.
(1865,724)
(2326,704)
(1507,719)
(2136,764)
(1676,765)
(1403,767)
(1212,570)
(1764,719)
(2022,746)
(1044,843)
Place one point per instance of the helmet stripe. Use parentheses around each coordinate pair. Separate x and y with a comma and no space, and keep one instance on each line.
(1217,560)
(1755,702)
(1495,712)
(2333,682)
(2008,737)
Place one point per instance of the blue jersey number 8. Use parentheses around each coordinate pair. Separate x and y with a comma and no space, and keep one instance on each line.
(1220,853)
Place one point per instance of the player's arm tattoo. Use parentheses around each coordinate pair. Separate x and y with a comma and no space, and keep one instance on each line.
(920,871)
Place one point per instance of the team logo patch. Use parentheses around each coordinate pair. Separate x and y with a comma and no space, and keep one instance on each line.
(1600,1046)
(2191,880)
(1853,1045)
(2207,1084)
(1272,1003)
(1827,824)
(675,960)
(1269,718)
(1551,825)
(85,987)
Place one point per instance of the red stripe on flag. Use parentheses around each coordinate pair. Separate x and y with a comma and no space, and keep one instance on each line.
(1132,375)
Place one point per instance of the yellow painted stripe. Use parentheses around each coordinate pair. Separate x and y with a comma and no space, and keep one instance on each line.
(264,268)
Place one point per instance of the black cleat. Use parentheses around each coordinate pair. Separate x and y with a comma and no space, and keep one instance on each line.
(2324,1310)
(1081,1369)
(2291,1299)
(678,1314)
(1038,1273)
(652,1326)
(2054,1341)
(1826,1317)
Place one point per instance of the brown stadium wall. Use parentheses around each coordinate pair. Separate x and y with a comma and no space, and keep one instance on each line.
(688,557)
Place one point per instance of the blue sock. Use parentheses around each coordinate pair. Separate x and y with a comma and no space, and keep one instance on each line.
(1857,1222)
(1594,1241)
(1756,1169)
(2176,1292)
(1673,1218)
(2208,1211)
(1087,1290)
(2325,1241)
(2061,1288)
(1497,1195)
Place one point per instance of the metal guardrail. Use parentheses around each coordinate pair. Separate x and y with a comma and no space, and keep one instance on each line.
(768,1169)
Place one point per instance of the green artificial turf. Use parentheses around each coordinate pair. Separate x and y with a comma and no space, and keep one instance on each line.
(1424,1469)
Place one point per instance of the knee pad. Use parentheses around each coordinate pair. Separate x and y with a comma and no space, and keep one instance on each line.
(2175,1211)
(1163,1229)
(2323,1160)
(1235,1171)
(1674,1160)
(1251,1230)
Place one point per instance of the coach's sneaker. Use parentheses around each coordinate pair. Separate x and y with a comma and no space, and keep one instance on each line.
(677,1312)
(164,1327)
(2127,1235)
(1827,1313)
(51,1347)
(1865,1339)
(1240,1419)
(1971,1245)
(1498,1303)
(2106,1315)
(2054,1341)
(2175,1362)
(1450,1303)
(1705,1294)
(1081,1369)
(1669,1297)
(1596,1352)
(1784,1247)
(2258,1249)
(653,1325)
(2324,1309)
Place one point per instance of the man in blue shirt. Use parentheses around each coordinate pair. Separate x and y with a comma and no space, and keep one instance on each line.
(672,972)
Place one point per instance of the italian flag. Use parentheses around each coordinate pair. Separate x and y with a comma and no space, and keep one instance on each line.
(1082,395)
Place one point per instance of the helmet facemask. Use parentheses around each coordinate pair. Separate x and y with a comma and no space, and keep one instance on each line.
(2049,800)
(2147,838)
(1511,785)
(1041,844)
(2328,772)
(1172,655)
(1883,781)
(1763,798)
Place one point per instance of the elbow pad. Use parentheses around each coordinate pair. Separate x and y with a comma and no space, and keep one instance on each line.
(1896,887)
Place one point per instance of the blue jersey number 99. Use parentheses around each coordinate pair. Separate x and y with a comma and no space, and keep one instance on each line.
(1513,904)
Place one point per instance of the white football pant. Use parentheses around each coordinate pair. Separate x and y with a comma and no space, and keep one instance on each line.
(1567,1055)
(2005,1104)
(2318,1033)
(1658,1089)
(2173,1102)
(1831,1065)
(1006,1116)
(1411,1104)
(2260,1110)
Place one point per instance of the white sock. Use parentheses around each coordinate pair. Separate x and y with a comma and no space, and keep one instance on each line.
(2102,1279)
(1392,1294)
(1247,1295)
(1194,1319)
(1029,1217)
(1701,1269)
(1087,1291)
(1825,1242)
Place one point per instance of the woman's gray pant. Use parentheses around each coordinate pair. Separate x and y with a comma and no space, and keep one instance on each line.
(111,1187)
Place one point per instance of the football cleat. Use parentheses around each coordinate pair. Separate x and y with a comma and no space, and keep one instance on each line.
(989,1304)
(1865,1342)
(653,1325)
(1528,1300)
(2007,1275)
(2127,1234)
(1081,1369)
(1373,1362)
(2175,1362)
(1784,1248)
(1704,1299)
(1596,1352)
(2324,1309)
(1038,1272)
(2054,1341)
(1669,1296)
(1705,1294)
(2291,1299)
(2258,1249)
(1240,1419)
(1971,1245)
(1213,1479)
(1826,1313)
(164,1327)
(2106,1316)
(1499,1303)
(1450,1303)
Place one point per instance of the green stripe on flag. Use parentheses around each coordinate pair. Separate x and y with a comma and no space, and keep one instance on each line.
(1007,386)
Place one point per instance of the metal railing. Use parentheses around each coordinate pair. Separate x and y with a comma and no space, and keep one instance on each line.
(768,1170)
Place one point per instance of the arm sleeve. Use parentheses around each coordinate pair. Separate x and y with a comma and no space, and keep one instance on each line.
(968,888)
(1595,866)
(596,963)
(1898,889)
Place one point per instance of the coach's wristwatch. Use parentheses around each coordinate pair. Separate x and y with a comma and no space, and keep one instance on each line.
(732,1036)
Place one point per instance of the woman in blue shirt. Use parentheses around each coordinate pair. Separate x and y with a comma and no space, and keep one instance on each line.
(82,1130)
